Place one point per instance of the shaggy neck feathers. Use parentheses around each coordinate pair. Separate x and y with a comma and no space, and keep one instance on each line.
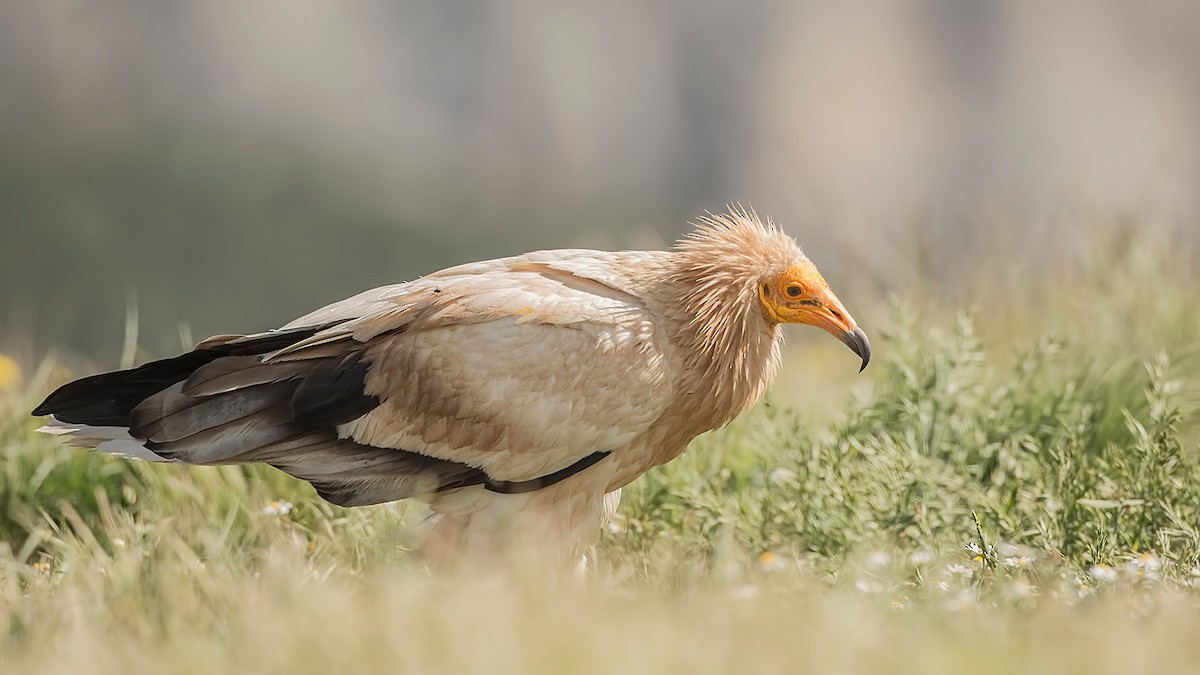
(732,346)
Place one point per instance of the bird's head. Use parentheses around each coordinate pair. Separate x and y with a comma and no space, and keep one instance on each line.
(799,294)
(737,260)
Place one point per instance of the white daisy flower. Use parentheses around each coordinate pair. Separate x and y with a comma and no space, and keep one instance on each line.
(1103,573)
(1144,566)
(1017,562)
(278,507)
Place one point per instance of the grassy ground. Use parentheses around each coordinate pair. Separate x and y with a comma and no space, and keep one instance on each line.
(1023,502)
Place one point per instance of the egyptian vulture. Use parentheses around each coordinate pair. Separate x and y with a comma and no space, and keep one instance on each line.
(515,396)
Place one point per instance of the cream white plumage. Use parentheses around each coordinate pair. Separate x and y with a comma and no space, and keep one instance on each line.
(493,389)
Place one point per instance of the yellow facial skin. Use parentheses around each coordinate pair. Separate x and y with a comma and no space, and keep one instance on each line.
(800,295)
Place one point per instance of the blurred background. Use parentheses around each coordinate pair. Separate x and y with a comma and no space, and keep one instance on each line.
(227,166)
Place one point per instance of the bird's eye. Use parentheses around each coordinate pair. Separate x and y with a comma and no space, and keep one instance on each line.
(793,291)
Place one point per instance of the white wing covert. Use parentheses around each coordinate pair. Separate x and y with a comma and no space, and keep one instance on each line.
(520,372)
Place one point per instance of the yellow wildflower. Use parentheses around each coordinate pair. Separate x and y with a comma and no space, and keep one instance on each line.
(10,373)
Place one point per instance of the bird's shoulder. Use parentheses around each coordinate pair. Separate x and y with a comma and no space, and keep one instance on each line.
(558,287)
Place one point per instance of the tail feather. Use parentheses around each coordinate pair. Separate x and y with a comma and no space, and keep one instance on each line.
(109,440)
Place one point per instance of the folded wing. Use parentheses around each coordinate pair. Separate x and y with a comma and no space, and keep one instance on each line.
(493,373)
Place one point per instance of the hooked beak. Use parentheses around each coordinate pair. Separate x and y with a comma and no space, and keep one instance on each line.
(857,341)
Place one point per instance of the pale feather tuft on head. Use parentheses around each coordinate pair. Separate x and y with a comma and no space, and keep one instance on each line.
(739,242)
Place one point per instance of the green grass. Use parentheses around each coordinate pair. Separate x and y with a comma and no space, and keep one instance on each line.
(991,504)
(1069,459)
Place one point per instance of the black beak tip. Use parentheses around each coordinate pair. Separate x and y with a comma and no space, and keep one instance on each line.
(857,341)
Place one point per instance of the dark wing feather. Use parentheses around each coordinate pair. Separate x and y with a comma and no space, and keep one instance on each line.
(333,392)
(171,415)
(237,372)
(221,404)
(351,474)
(108,398)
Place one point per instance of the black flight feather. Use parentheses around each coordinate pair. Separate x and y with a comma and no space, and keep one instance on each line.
(108,398)
(220,404)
